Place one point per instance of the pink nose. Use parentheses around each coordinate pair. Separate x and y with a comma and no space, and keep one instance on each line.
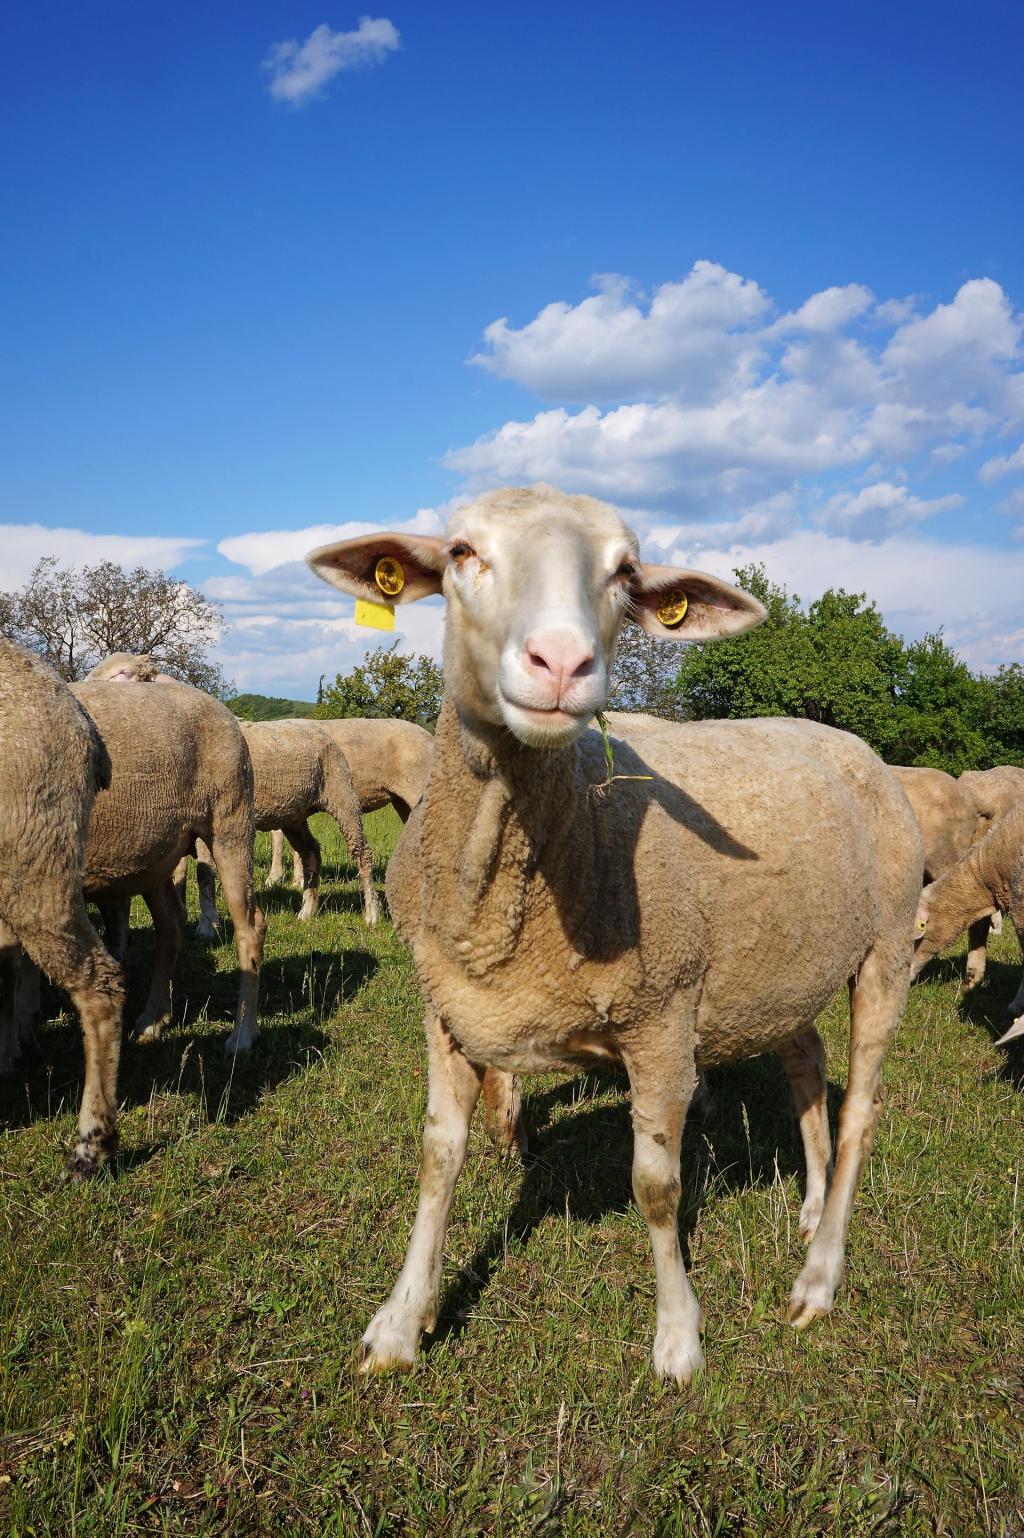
(557,659)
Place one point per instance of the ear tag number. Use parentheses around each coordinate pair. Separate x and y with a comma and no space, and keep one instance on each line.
(389,576)
(672,609)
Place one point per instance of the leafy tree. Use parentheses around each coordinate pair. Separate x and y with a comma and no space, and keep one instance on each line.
(386,683)
(1003,694)
(76,615)
(940,710)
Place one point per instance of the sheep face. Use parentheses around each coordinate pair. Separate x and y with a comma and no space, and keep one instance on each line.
(538,586)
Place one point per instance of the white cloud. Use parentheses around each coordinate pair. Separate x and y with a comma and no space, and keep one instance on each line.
(878,510)
(694,337)
(263,550)
(702,401)
(829,310)
(24,544)
(994,469)
(299,70)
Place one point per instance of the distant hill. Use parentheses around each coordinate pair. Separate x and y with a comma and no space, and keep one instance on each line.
(268,707)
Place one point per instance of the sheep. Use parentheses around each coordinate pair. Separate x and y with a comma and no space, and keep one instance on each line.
(299,770)
(180,771)
(54,765)
(946,815)
(389,762)
(126,667)
(658,915)
(989,879)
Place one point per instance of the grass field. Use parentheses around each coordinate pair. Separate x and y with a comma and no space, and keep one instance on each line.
(176,1343)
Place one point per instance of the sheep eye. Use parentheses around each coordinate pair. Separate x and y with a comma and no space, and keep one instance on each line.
(626,569)
(460,550)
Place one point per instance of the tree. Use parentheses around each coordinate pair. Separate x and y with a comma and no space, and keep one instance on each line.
(74,616)
(386,683)
(939,721)
(643,675)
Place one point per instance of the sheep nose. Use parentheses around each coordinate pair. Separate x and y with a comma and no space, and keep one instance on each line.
(557,658)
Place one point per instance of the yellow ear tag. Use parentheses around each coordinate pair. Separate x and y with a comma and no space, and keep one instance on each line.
(672,609)
(921,926)
(389,576)
(377,616)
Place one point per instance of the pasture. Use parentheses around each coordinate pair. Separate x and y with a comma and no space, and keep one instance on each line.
(177,1343)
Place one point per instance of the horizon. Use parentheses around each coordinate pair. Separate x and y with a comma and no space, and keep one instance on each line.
(284,274)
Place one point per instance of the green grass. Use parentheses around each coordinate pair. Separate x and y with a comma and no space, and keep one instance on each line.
(176,1343)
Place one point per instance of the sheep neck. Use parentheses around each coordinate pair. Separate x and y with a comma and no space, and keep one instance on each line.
(494,813)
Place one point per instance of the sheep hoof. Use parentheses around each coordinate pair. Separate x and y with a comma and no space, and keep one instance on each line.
(240,1040)
(812,1296)
(308,910)
(81,1167)
(206,930)
(677,1353)
(390,1344)
(150,1028)
(810,1217)
(371,915)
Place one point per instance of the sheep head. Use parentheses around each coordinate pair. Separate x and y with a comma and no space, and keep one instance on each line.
(538,586)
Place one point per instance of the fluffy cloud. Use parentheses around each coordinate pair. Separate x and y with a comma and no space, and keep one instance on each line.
(701,398)
(299,70)
(262,551)
(874,511)
(26,543)
(995,469)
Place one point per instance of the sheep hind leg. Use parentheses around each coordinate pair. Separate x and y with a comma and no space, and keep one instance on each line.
(168,928)
(77,960)
(503,1112)
(233,857)
(659,1112)
(803,1057)
(977,951)
(877,996)
(393,1335)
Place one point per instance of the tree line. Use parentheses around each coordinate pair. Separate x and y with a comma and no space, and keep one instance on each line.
(833,661)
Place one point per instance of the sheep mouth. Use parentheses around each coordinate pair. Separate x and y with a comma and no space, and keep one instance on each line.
(551,726)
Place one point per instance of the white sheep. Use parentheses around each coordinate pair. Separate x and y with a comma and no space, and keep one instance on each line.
(389,762)
(180,771)
(659,916)
(54,765)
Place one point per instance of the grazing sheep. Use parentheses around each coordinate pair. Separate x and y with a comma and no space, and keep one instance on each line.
(946,815)
(989,879)
(558,915)
(180,771)
(993,792)
(298,770)
(54,764)
(389,762)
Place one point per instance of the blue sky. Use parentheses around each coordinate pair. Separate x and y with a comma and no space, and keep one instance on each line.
(242,293)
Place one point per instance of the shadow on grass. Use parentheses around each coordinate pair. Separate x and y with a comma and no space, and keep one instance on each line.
(189,1058)
(580,1164)
(333,899)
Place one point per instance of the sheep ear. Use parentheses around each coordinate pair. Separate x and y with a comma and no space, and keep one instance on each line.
(674,604)
(921,919)
(386,568)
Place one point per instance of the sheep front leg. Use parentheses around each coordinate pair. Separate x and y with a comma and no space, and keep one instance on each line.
(503,1112)
(977,951)
(208,927)
(276,872)
(659,1112)
(393,1335)
(168,927)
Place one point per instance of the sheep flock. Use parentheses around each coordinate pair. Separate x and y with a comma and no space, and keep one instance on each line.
(574,888)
